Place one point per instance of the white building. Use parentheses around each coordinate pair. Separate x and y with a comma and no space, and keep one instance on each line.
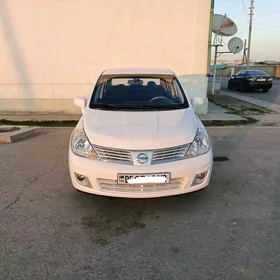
(52,51)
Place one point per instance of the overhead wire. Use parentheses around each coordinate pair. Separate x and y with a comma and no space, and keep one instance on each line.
(245,10)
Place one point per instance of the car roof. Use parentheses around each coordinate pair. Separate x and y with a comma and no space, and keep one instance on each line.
(138,71)
(254,70)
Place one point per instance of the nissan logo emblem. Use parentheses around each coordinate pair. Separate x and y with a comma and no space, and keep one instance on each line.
(142,158)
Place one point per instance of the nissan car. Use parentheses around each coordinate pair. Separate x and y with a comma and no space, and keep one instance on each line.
(139,137)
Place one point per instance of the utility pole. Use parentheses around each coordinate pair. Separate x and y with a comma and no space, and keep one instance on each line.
(216,45)
(215,70)
(250,32)
(244,52)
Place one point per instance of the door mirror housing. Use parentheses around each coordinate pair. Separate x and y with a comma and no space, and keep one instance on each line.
(197,104)
(193,103)
(233,76)
(81,103)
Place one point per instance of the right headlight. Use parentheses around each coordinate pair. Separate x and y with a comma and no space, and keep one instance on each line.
(200,145)
(81,146)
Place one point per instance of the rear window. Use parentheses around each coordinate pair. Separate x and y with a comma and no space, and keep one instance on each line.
(139,92)
(256,72)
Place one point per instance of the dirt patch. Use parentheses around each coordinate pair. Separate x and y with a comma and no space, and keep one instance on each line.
(65,123)
(246,121)
(238,107)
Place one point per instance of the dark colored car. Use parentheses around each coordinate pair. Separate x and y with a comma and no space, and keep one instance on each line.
(250,79)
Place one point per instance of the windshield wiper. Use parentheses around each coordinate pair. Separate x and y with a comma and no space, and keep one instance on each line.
(175,106)
(103,106)
(146,106)
(120,106)
(135,107)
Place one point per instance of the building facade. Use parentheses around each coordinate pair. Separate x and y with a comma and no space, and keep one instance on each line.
(54,50)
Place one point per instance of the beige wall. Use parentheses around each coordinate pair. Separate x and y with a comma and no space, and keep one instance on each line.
(55,49)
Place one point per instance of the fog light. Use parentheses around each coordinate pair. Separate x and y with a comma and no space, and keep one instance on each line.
(199,178)
(81,177)
(82,180)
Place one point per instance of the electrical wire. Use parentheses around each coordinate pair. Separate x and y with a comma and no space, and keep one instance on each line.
(245,10)
(265,29)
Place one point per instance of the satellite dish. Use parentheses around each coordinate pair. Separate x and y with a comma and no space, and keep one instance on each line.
(235,45)
(223,26)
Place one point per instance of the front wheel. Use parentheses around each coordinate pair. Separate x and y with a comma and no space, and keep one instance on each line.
(229,86)
(265,89)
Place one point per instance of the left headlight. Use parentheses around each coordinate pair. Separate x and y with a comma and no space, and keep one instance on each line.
(200,145)
(81,146)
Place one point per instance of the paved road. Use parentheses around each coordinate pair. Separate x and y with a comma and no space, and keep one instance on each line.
(272,96)
(228,231)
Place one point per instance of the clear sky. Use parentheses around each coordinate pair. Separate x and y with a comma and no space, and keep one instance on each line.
(266,27)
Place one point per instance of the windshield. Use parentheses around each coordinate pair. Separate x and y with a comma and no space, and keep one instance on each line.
(139,93)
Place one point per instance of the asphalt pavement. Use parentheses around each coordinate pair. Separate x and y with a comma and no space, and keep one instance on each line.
(230,230)
(272,96)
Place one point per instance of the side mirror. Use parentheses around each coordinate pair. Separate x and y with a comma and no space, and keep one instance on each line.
(233,76)
(197,102)
(81,103)
(193,103)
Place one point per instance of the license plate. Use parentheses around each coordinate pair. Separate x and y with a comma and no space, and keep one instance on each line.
(261,80)
(142,179)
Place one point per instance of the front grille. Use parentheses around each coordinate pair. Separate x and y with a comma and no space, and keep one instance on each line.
(112,186)
(169,154)
(114,155)
(125,156)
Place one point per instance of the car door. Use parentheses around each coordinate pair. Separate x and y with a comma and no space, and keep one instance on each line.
(234,80)
(240,77)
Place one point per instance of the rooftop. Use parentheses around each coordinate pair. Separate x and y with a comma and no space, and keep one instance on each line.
(137,71)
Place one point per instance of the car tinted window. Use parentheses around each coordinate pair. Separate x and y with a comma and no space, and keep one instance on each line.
(256,72)
(144,92)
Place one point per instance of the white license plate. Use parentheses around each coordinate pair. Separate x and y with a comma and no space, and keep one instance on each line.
(153,178)
(261,80)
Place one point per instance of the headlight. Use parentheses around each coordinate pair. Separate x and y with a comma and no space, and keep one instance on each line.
(200,145)
(81,146)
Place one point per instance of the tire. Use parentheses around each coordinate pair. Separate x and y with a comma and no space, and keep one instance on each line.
(266,89)
(229,86)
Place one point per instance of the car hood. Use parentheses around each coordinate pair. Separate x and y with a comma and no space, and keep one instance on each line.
(134,130)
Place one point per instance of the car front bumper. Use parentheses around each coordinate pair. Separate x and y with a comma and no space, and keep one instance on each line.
(101,177)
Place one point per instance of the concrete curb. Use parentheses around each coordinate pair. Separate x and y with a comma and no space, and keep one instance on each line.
(260,103)
(17,135)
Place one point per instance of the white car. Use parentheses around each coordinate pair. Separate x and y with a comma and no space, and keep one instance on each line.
(139,137)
